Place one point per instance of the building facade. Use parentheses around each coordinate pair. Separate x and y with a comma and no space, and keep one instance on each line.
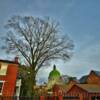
(8,77)
(88,87)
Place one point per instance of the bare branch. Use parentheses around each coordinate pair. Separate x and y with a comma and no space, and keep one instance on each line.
(37,40)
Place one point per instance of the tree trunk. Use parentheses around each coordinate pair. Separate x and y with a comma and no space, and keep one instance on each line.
(31,83)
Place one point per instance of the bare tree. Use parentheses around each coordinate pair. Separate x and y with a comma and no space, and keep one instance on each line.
(38,41)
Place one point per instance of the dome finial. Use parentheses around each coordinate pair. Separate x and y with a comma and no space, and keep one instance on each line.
(54,67)
(54,74)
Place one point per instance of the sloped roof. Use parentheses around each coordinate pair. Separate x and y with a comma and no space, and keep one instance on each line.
(97,72)
(83,79)
(65,87)
(91,88)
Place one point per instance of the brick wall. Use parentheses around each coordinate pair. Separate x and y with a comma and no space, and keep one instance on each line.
(9,80)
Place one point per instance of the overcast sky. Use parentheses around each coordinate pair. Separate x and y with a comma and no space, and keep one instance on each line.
(80,19)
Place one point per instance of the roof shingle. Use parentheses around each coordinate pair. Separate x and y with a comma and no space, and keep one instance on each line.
(91,88)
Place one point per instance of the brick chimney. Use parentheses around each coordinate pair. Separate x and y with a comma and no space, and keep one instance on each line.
(16,59)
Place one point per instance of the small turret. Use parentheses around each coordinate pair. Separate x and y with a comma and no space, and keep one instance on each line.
(54,67)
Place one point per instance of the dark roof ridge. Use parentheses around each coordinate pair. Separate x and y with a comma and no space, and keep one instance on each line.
(96,72)
(8,61)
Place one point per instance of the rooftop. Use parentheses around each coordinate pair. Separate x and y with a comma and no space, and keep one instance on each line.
(7,61)
(92,88)
(96,72)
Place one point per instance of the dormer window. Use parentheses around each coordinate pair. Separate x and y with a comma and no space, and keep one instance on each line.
(3,68)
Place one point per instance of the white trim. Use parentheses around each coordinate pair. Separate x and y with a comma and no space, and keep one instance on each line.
(3,69)
(1,81)
(18,87)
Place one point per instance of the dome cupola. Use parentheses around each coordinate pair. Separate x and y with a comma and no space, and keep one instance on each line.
(54,74)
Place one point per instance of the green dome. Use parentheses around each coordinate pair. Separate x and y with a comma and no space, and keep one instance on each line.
(54,74)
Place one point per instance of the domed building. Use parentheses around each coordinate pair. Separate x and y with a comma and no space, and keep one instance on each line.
(54,77)
(54,74)
(56,81)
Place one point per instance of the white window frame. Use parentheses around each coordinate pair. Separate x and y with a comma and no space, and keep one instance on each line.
(1,81)
(3,69)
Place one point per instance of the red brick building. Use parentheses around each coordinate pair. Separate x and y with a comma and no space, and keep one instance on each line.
(8,76)
(88,87)
(88,91)
(93,77)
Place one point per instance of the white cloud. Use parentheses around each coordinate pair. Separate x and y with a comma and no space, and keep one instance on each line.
(82,62)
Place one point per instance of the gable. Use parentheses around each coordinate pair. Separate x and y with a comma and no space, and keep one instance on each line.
(93,78)
(76,89)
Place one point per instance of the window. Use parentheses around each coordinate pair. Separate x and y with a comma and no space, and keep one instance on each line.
(3,68)
(1,87)
(95,98)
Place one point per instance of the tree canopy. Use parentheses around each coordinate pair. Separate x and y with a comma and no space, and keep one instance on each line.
(37,40)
